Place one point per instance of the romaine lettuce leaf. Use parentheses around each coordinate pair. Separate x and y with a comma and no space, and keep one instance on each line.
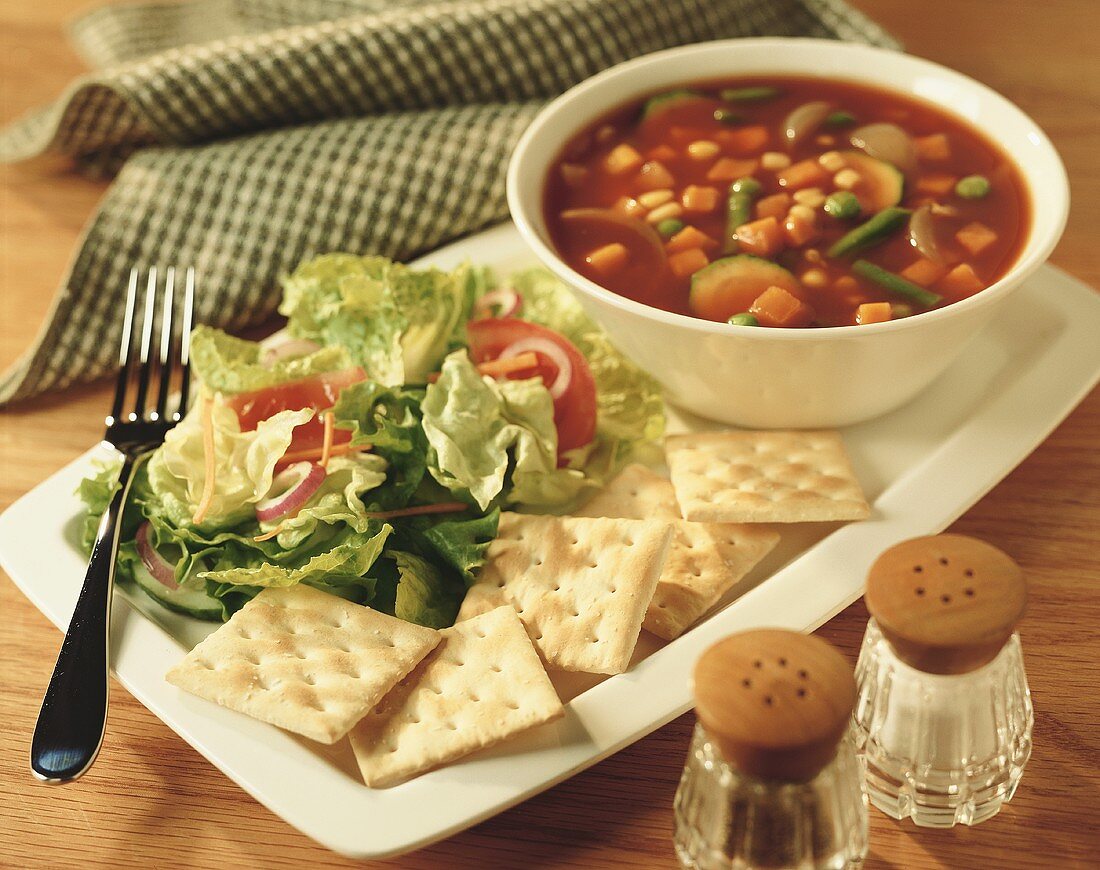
(96,492)
(244,465)
(397,322)
(233,365)
(424,595)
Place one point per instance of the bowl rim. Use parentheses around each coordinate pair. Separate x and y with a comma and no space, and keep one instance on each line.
(1037,248)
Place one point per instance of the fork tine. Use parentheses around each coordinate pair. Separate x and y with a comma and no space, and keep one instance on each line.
(185,340)
(124,349)
(167,362)
(146,342)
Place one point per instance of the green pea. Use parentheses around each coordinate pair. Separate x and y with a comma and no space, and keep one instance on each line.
(842,204)
(755,94)
(669,227)
(748,185)
(725,116)
(839,119)
(898,310)
(973,187)
(744,319)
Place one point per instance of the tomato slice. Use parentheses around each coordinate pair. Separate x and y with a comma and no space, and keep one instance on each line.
(317,392)
(575,408)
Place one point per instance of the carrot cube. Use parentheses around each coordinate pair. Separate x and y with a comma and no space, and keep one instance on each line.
(629,205)
(874,312)
(689,237)
(661,152)
(687,262)
(730,169)
(975,237)
(621,159)
(779,307)
(933,147)
(698,198)
(800,232)
(654,176)
(573,175)
(960,282)
(936,185)
(744,141)
(805,173)
(776,205)
(924,272)
(763,237)
(608,259)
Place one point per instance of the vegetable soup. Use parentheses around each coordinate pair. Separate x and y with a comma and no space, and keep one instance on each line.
(788,202)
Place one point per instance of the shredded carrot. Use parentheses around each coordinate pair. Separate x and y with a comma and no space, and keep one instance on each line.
(496,368)
(208,461)
(267,536)
(309,454)
(326,446)
(447,507)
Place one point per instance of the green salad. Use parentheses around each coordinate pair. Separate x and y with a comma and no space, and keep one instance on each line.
(368,450)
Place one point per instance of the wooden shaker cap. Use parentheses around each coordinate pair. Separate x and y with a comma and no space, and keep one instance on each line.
(947,604)
(775,702)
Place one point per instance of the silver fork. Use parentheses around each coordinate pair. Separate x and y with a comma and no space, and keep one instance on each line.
(73,717)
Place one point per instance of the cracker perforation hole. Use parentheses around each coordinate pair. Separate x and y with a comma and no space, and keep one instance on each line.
(919,592)
(946,599)
(943,560)
(918,569)
(969,572)
(747,683)
(968,592)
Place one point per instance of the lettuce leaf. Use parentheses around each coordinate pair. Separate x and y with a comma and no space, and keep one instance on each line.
(96,492)
(233,365)
(482,430)
(244,465)
(397,322)
(423,594)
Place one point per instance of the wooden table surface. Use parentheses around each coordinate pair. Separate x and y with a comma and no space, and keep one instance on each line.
(152,801)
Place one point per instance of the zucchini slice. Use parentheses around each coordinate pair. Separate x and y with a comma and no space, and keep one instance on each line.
(662,102)
(729,286)
(881,184)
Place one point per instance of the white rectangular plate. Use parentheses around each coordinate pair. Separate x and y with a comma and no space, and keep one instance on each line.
(922,466)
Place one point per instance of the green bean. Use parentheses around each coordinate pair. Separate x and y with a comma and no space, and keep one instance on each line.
(973,187)
(842,204)
(839,119)
(725,116)
(748,184)
(669,227)
(744,319)
(871,232)
(739,210)
(895,283)
(755,94)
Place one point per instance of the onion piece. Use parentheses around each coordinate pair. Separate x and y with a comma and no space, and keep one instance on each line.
(804,120)
(922,234)
(544,346)
(290,489)
(610,216)
(287,348)
(163,571)
(503,302)
(887,142)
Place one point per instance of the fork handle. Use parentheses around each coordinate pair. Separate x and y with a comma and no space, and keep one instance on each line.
(73,717)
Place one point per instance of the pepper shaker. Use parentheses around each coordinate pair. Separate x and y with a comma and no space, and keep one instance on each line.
(943,718)
(771,779)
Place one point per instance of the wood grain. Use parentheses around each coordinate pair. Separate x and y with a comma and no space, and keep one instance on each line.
(152,801)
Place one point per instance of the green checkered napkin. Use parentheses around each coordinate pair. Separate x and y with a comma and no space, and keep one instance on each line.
(248,135)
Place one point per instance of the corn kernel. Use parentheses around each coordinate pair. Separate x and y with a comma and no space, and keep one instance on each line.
(811,196)
(622,158)
(605,133)
(802,213)
(825,140)
(815,278)
(663,212)
(846,179)
(703,149)
(654,198)
(831,161)
(774,160)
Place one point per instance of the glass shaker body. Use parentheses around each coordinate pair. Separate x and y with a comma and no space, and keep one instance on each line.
(727,820)
(941,749)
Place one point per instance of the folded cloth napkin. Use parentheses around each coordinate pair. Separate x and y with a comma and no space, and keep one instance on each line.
(250,134)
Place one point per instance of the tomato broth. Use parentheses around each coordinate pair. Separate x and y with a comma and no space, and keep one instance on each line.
(786,201)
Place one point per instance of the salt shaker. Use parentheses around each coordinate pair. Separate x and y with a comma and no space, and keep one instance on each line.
(771,779)
(943,718)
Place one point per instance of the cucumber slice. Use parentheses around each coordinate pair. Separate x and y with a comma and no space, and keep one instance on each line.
(662,102)
(881,184)
(729,286)
(188,601)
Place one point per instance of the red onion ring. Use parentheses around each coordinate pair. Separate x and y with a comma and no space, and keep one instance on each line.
(287,348)
(292,487)
(551,351)
(506,300)
(163,571)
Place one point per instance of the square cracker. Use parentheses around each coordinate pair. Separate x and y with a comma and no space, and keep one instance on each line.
(304,660)
(480,686)
(764,477)
(705,560)
(581,585)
